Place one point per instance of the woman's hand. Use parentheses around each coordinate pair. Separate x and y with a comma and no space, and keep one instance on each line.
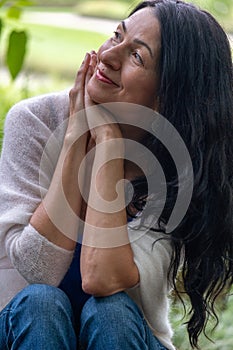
(58,215)
(77,123)
(77,92)
(101,121)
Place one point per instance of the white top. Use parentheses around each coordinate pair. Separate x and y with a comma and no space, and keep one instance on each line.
(28,257)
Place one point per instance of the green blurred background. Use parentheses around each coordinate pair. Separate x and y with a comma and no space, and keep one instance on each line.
(59,33)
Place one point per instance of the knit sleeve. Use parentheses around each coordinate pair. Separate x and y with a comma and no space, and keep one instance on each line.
(23,183)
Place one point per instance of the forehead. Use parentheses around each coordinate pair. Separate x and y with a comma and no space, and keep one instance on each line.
(144,25)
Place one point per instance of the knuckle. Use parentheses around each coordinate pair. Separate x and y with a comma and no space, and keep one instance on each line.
(72,93)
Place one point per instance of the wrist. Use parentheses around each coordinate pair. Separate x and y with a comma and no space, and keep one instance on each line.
(107,134)
(109,147)
(74,141)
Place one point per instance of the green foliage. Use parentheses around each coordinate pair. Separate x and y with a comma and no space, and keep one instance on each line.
(14,12)
(16,52)
(221,336)
(219,8)
(222,10)
(56,2)
(114,9)
(63,58)
(16,42)
(9,96)
(118,9)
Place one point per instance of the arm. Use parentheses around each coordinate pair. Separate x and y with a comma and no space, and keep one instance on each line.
(57,216)
(107,260)
(28,126)
(107,263)
(35,244)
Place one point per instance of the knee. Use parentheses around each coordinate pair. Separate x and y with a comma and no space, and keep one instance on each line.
(41,316)
(106,309)
(43,298)
(109,320)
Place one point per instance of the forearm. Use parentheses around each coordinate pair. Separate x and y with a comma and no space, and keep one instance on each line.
(57,216)
(107,263)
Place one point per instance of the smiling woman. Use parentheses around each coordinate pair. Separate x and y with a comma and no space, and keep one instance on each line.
(112,191)
(130,55)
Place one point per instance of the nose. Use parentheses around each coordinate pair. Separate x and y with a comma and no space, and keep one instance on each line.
(112,57)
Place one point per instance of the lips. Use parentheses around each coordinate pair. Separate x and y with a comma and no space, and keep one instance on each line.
(102,77)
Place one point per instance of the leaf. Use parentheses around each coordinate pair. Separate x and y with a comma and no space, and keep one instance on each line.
(16,52)
(14,12)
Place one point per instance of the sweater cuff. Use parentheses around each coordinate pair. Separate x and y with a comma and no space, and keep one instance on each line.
(38,260)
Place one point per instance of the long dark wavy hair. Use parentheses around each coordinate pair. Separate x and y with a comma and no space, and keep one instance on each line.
(196,96)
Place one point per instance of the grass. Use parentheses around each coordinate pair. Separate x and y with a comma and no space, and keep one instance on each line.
(59,51)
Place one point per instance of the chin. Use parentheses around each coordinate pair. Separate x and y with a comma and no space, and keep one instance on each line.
(94,93)
(96,97)
(99,95)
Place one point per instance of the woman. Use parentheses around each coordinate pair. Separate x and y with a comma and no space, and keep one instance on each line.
(181,67)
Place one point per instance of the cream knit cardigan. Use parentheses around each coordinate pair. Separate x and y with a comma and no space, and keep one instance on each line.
(25,255)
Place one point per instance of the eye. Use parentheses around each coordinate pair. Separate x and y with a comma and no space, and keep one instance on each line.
(138,57)
(117,36)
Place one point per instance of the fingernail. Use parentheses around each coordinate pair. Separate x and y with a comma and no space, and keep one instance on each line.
(87,55)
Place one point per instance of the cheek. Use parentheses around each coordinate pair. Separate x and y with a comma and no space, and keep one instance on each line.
(145,89)
(149,89)
(91,89)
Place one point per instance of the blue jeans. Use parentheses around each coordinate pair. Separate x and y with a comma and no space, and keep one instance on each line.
(40,317)
(115,322)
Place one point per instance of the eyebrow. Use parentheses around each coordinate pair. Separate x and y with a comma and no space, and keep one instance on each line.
(138,41)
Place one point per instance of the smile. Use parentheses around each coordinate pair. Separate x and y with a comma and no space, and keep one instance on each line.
(100,76)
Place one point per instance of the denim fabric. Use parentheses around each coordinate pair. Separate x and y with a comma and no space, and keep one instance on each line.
(39,317)
(115,322)
(72,286)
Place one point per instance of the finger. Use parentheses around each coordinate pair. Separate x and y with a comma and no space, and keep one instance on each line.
(89,74)
(93,62)
(83,69)
(77,92)
(87,100)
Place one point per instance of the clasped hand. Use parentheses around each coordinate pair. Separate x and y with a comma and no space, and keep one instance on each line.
(100,123)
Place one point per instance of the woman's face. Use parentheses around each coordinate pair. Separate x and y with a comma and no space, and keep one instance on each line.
(127,63)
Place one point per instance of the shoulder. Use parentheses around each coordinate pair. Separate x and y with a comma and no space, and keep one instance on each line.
(49,109)
(30,124)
